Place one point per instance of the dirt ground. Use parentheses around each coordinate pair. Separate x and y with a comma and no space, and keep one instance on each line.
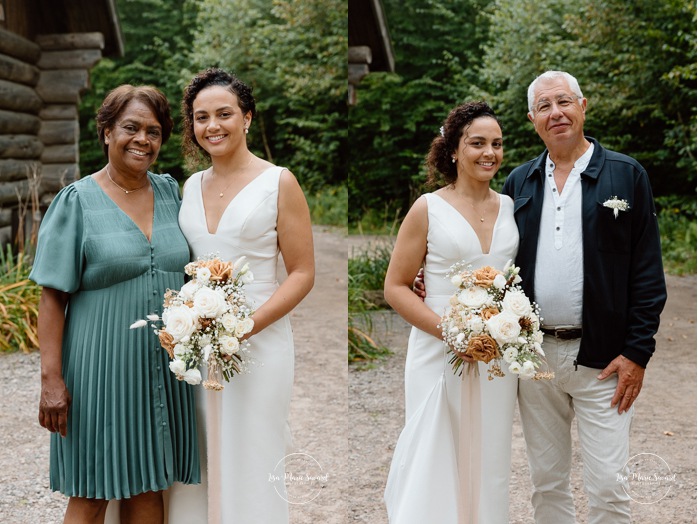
(664,423)
(318,408)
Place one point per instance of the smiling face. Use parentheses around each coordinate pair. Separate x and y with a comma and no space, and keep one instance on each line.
(134,140)
(219,123)
(560,123)
(480,150)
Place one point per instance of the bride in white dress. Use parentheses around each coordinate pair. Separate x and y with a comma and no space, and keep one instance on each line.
(243,205)
(465,220)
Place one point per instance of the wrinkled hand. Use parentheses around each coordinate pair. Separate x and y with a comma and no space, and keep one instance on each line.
(418,285)
(630,377)
(53,406)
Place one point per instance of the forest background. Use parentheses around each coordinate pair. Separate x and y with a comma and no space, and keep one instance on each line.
(635,62)
(293,54)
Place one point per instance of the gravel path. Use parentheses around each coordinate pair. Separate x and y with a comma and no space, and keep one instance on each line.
(664,424)
(318,407)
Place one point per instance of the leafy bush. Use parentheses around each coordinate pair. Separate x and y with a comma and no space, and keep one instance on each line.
(677,228)
(328,206)
(19,304)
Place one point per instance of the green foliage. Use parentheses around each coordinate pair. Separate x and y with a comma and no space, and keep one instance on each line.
(677,227)
(366,274)
(374,221)
(157,37)
(294,56)
(328,206)
(292,53)
(636,64)
(437,48)
(19,304)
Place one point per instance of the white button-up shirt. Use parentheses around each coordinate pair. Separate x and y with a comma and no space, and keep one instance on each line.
(559,273)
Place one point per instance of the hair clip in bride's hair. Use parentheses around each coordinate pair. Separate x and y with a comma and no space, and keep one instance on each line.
(441,130)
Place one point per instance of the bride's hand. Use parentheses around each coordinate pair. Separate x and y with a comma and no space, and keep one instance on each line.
(463,356)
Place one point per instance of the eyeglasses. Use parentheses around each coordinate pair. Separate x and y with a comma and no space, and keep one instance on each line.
(545,106)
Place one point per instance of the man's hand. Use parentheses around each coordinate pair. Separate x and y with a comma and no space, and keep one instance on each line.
(630,377)
(418,285)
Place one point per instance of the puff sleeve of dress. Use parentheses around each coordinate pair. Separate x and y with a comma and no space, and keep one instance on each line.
(59,256)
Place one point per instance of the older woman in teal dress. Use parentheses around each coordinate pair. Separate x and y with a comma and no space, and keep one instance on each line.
(109,247)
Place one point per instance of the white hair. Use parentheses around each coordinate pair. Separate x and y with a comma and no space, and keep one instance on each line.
(551,75)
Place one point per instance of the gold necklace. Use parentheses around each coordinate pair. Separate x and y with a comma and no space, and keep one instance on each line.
(127,191)
(220,195)
(482,216)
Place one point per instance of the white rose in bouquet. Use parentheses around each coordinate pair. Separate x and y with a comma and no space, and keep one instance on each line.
(187,291)
(209,303)
(229,345)
(229,322)
(516,302)
(473,297)
(504,327)
(179,322)
(510,355)
(203,274)
(244,326)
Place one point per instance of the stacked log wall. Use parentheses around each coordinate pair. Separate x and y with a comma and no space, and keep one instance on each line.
(40,87)
(20,124)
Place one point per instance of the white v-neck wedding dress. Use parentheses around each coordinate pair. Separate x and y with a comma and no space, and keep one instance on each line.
(423,484)
(249,417)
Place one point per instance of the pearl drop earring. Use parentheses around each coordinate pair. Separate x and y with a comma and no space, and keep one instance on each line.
(453,159)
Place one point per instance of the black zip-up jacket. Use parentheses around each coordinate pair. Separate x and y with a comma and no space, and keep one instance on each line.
(624,286)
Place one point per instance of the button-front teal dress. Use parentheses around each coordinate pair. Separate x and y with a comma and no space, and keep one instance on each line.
(131,424)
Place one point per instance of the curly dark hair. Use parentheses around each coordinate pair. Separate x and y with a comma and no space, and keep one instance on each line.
(118,98)
(212,76)
(440,168)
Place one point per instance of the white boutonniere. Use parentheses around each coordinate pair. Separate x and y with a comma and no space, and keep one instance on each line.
(617,204)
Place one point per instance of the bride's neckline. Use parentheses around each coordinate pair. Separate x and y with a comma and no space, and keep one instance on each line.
(227,207)
(472,228)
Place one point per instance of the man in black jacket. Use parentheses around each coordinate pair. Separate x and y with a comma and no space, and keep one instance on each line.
(590,257)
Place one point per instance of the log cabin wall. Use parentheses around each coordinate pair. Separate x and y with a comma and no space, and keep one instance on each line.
(40,87)
(20,145)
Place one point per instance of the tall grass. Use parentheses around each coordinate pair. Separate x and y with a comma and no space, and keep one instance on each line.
(19,304)
(366,275)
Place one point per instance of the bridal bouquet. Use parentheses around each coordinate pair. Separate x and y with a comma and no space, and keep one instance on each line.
(205,320)
(490,319)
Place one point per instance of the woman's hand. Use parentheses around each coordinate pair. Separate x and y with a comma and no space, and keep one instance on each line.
(53,405)
(55,398)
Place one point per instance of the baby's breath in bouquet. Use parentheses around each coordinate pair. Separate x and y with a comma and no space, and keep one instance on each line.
(205,322)
(490,319)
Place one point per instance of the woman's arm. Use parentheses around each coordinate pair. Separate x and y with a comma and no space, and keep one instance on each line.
(55,398)
(408,256)
(295,237)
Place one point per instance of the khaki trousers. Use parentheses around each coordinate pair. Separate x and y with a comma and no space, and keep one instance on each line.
(547,408)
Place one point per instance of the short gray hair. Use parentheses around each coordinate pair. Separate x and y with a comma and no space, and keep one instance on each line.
(551,75)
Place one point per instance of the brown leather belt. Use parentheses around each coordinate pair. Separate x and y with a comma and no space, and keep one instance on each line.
(563,333)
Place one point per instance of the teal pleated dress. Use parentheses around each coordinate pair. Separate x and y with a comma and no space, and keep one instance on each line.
(131,424)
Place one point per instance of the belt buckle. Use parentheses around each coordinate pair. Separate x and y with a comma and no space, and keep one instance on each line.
(568,333)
